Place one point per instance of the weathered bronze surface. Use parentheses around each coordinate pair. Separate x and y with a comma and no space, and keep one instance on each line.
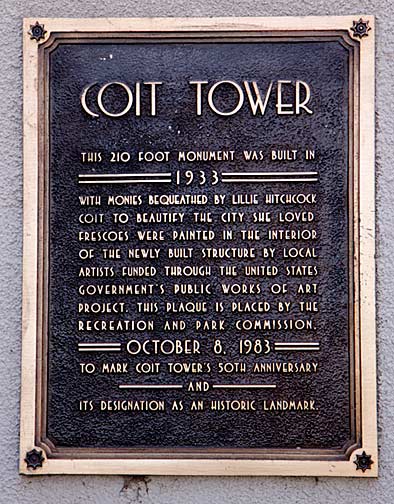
(198,252)
(327,422)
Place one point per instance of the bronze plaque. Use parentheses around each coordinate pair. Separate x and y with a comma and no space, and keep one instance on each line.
(199,276)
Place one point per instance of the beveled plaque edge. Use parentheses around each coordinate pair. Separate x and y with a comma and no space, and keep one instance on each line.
(364,249)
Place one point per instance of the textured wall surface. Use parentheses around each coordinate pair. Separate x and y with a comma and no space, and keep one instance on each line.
(116,489)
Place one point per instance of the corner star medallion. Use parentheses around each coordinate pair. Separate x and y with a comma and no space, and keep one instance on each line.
(363,462)
(37,31)
(34,459)
(360,28)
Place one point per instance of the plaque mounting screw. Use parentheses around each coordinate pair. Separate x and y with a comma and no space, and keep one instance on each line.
(34,459)
(363,462)
(37,31)
(360,28)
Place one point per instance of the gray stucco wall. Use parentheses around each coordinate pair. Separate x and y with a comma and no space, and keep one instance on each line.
(60,489)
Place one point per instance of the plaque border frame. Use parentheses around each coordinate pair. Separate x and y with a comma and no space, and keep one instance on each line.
(361,108)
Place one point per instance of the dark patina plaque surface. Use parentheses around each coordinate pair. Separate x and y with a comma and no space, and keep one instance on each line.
(316,378)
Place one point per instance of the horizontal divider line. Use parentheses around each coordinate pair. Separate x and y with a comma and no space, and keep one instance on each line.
(99,349)
(285,174)
(150,386)
(291,343)
(92,175)
(238,386)
(133,181)
(272,180)
(99,344)
(296,346)
(296,349)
